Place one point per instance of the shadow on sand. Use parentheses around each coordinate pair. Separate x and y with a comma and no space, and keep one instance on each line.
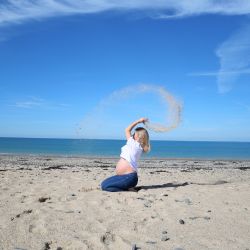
(176,185)
(166,185)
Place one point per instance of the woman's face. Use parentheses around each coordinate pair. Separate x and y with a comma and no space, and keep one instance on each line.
(136,137)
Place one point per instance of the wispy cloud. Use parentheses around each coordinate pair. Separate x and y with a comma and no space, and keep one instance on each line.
(29,103)
(14,11)
(35,102)
(234,60)
(216,73)
(234,56)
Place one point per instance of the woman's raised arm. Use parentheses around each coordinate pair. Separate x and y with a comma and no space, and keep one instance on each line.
(132,125)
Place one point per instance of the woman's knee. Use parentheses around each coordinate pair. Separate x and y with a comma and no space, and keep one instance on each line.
(104,185)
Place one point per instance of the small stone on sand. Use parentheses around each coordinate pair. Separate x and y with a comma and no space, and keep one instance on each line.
(182,221)
(43,199)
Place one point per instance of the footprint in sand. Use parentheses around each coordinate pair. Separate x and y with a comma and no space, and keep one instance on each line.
(38,225)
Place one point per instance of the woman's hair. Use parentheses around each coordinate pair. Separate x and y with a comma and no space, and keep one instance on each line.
(143,138)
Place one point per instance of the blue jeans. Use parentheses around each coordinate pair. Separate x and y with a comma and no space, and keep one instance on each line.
(119,183)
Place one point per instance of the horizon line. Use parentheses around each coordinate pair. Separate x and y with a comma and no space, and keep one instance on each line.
(117,139)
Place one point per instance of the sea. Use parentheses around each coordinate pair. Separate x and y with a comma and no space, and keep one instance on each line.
(112,148)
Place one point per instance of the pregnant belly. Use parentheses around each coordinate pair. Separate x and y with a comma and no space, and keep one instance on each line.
(123,167)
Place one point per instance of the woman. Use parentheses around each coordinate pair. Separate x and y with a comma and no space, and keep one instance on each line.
(126,169)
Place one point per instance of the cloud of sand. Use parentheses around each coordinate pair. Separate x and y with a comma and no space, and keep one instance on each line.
(174,106)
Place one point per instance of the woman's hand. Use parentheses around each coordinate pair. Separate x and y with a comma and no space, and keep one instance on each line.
(142,120)
(132,125)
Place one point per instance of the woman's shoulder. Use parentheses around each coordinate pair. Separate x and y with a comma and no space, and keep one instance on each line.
(133,142)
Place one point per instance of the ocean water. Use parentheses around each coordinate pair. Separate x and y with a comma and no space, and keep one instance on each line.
(111,148)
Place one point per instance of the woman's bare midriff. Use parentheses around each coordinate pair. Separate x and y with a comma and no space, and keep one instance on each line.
(123,167)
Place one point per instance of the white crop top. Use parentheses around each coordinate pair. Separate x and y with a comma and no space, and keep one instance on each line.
(131,152)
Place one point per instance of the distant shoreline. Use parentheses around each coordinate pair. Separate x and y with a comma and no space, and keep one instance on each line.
(146,158)
(36,160)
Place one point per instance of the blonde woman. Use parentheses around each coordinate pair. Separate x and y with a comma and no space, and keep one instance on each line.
(126,169)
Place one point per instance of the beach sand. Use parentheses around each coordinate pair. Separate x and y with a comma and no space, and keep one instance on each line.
(56,203)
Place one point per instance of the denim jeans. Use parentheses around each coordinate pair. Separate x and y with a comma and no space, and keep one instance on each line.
(119,183)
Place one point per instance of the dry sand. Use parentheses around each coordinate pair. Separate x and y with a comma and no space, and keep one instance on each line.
(56,203)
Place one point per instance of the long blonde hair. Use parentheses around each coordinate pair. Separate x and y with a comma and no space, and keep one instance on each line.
(143,138)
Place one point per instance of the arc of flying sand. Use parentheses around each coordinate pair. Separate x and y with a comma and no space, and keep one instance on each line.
(175,107)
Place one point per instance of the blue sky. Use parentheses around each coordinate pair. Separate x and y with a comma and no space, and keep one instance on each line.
(60,60)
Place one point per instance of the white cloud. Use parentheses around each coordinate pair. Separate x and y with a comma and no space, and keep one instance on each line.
(35,102)
(234,60)
(15,11)
(30,103)
(220,73)
(234,56)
